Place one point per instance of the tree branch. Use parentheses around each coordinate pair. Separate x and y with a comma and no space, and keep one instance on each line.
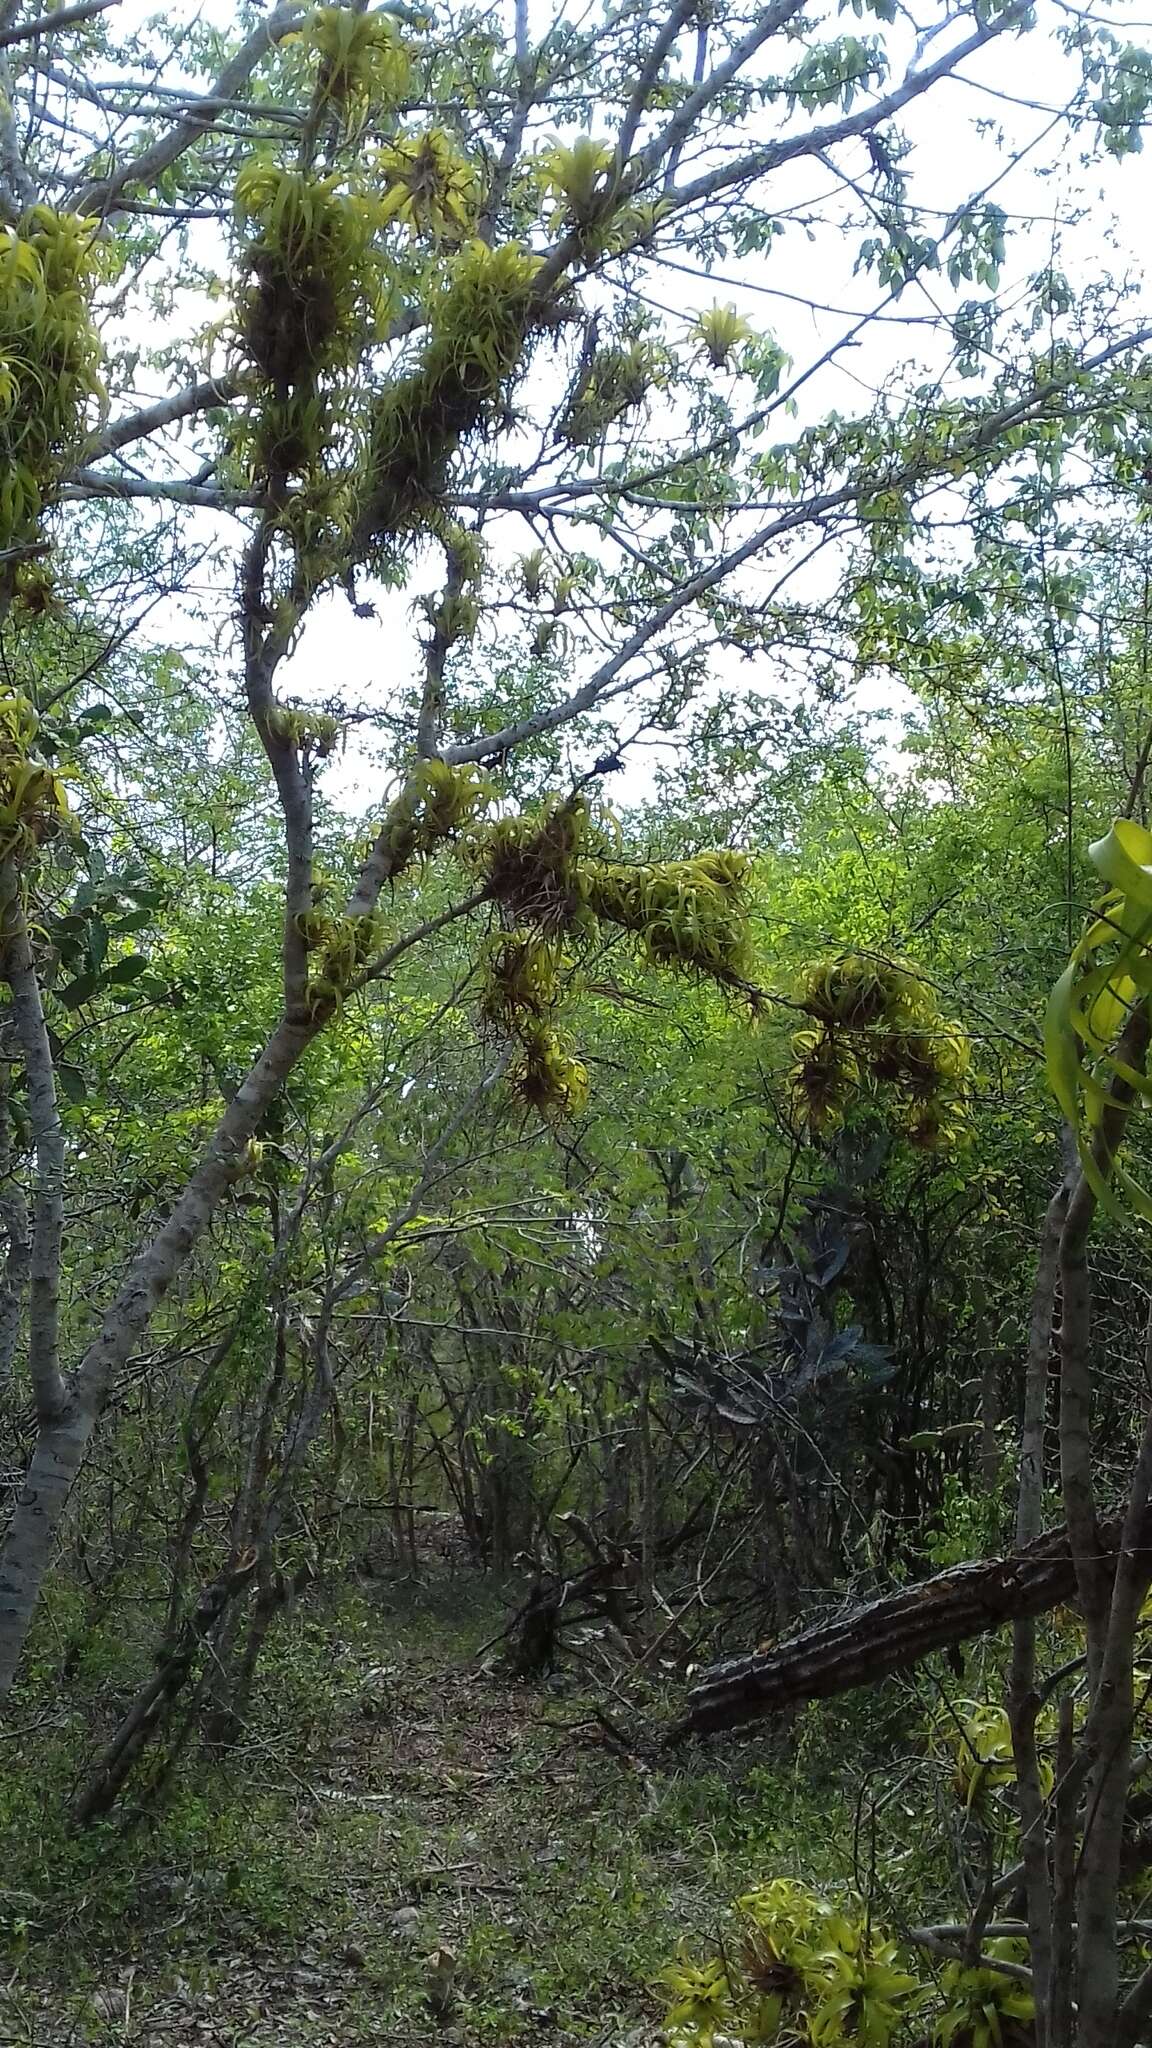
(964,449)
(871,1642)
(14,1219)
(135,426)
(759,163)
(99,195)
(90,483)
(672,137)
(51,24)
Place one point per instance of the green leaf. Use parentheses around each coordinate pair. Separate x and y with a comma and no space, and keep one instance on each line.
(77,991)
(126,970)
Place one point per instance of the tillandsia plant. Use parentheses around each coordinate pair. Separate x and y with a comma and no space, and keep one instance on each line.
(51,389)
(798,1971)
(878,1024)
(977,1737)
(1099,1008)
(552,875)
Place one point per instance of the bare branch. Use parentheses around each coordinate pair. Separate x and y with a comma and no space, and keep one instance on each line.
(51,24)
(136,426)
(17,189)
(99,195)
(758,163)
(92,483)
(681,14)
(672,137)
(14,1221)
(986,432)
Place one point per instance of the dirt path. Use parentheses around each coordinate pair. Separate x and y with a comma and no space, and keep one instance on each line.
(453,1864)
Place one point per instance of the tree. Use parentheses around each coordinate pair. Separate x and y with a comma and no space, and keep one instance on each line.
(413,274)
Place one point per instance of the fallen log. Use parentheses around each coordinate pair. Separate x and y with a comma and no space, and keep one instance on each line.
(871,1640)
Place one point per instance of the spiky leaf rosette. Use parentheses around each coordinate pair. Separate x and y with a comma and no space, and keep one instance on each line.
(984,2008)
(319,291)
(532,864)
(550,873)
(33,800)
(1107,982)
(523,987)
(483,314)
(878,1022)
(50,382)
(550,869)
(363,62)
(719,332)
(429,187)
(691,915)
(803,1970)
(618,381)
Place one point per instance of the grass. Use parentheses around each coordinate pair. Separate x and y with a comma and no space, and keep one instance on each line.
(406,1848)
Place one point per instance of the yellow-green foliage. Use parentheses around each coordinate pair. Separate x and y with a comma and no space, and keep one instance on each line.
(983,2008)
(316,291)
(719,332)
(550,873)
(549,869)
(799,1970)
(436,803)
(691,915)
(578,179)
(532,864)
(521,979)
(312,732)
(429,187)
(856,990)
(978,1739)
(49,359)
(825,1077)
(522,991)
(363,62)
(455,617)
(33,800)
(449,800)
(533,572)
(1107,981)
(878,1023)
(319,291)
(343,946)
(617,382)
(480,316)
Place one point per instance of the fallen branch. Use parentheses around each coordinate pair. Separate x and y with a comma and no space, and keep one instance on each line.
(871,1641)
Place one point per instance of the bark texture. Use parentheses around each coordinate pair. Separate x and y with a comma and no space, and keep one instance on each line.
(879,1637)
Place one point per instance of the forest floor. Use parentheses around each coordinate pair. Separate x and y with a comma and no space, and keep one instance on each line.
(450,1857)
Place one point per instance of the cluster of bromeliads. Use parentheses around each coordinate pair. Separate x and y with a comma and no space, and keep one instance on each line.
(801,1970)
(355,245)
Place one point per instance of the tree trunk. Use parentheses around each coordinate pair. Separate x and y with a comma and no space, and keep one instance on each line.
(872,1641)
(63,1442)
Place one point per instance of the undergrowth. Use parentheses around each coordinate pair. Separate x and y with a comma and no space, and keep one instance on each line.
(392,1805)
